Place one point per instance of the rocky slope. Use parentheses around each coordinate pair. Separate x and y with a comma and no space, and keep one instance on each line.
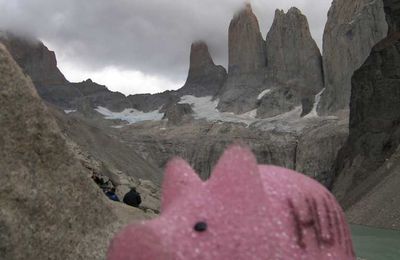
(367,166)
(352,29)
(201,143)
(294,61)
(103,144)
(50,208)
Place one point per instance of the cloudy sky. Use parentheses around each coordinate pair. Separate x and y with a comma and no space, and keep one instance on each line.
(139,46)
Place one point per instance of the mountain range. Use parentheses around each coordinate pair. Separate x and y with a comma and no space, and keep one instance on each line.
(333,117)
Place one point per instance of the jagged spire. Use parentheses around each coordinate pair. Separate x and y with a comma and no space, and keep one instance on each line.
(205,78)
(246,45)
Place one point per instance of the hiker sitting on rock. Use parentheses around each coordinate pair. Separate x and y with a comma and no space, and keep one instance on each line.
(132,198)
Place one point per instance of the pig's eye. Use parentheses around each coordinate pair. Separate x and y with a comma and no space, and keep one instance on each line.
(200,226)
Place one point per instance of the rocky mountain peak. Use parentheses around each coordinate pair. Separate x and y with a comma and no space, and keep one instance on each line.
(205,78)
(247,63)
(294,61)
(246,45)
(200,58)
(34,58)
(287,40)
(292,11)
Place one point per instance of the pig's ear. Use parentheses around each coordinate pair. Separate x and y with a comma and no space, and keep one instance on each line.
(179,177)
(236,175)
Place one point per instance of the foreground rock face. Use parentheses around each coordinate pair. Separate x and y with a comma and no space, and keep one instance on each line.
(367,165)
(353,28)
(205,78)
(247,63)
(49,207)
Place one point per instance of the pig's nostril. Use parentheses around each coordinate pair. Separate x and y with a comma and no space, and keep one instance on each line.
(200,226)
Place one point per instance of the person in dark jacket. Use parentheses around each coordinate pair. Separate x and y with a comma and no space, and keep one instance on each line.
(132,198)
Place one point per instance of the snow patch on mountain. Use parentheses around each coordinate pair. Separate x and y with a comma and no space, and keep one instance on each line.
(206,108)
(130,115)
(314,112)
(69,111)
(264,93)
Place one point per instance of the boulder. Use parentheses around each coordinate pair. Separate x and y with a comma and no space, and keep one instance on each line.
(176,113)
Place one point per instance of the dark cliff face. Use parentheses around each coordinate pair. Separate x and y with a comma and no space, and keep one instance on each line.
(374,131)
(392,10)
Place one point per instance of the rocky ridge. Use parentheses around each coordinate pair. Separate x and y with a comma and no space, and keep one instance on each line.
(352,29)
(40,64)
(35,59)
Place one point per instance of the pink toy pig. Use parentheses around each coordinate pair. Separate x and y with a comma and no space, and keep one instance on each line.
(245,211)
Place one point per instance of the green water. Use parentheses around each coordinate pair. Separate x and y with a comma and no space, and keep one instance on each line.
(376,244)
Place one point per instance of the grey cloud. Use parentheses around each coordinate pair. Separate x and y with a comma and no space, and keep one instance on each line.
(152,36)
